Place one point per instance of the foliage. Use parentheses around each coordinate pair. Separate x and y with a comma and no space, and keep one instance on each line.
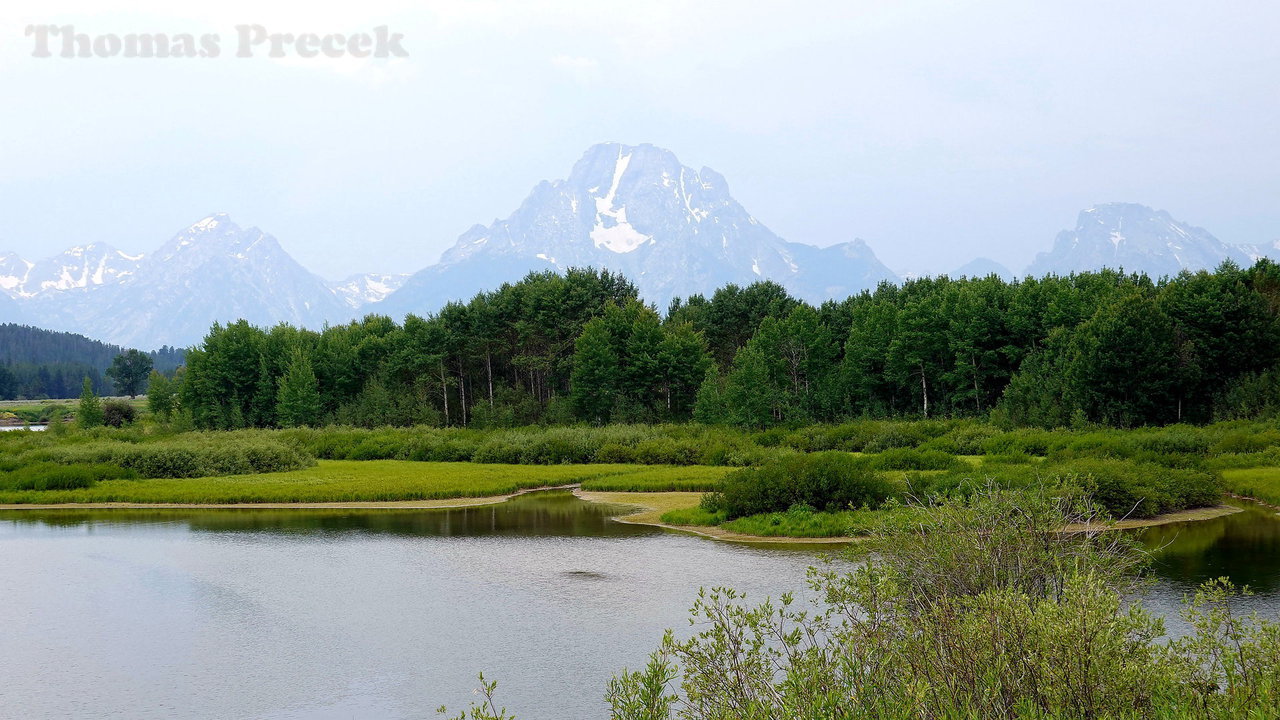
(118,413)
(1088,349)
(89,411)
(43,476)
(828,481)
(129,370)
(298,394)
(798,521)
(660,479)
(327,481)
(986,611)
(161,396)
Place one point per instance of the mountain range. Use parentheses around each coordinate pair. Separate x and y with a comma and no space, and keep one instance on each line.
(673,230)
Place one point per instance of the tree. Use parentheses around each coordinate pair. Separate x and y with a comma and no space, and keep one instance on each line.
(595,373)
(89,415)
(1120,366)
(298,397)
(129,371)
(8,384)
(161,395)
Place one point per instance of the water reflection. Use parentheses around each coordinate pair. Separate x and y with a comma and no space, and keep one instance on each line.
(552,513)
(1243,546)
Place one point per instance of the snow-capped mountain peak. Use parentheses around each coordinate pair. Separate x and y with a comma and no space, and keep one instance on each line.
(638,210)
(82,266)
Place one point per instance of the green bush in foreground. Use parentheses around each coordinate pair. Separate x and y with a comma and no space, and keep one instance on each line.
(979,610)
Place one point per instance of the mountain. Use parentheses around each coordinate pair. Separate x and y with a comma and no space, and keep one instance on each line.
(10,310)
(212,271)
(982,267)
(13,273)
(1137,239)
(1258,252)
(672,230)
(78,267)
(360,290)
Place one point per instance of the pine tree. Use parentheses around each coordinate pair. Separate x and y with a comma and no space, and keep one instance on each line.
(90,414)
(298,398)
(595,373)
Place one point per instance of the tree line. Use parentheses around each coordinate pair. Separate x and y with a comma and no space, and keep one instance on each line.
(36,363)
(1100,347)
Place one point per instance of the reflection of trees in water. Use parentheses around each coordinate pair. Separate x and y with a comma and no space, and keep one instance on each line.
(1244,546)
(551,513)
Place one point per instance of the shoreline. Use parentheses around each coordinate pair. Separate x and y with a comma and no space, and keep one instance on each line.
(643,513)
(436,504)
(650,514)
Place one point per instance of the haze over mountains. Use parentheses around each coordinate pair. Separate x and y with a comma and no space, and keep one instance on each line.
(672,230)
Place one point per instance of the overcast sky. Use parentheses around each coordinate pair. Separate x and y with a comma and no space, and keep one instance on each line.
(937,131)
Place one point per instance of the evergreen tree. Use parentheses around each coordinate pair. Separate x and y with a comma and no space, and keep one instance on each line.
(595,373)
(298,397)
(89,414)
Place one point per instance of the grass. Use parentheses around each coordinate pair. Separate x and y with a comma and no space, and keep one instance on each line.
(692,516)
(330,481)
(1262,483)
(693,478)
(793,523)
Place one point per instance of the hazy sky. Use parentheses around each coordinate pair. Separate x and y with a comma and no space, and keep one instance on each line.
(937,131)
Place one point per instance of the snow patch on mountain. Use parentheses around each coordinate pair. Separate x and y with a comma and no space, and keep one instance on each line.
(366,288)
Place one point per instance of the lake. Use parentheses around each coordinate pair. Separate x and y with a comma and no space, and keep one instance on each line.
(391,613)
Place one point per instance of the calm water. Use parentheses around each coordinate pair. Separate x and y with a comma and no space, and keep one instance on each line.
(388,614)
(336,614)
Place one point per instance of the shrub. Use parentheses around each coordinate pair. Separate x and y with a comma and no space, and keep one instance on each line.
(909,459)
(52,476)
(1141,490)
(118,413)
(1246,442)
(829,481)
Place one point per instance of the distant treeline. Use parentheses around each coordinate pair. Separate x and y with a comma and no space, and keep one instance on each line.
(1102,347)
(37,363)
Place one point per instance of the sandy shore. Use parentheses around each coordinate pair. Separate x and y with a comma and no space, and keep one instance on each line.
(1167,518)
(650,506)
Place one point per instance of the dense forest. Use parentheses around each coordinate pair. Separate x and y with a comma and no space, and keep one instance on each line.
(37,363)
(1104,347)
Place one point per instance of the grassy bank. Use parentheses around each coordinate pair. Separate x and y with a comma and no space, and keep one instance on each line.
(762,483)
(1261,483)
(329,481)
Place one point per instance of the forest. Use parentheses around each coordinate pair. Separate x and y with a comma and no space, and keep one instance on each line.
(1102,348)
(37,363)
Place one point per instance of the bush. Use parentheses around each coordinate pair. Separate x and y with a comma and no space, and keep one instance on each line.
(1141,490)
(830,481)
(52,476)
(199,455)
(909,459)
(118,413)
